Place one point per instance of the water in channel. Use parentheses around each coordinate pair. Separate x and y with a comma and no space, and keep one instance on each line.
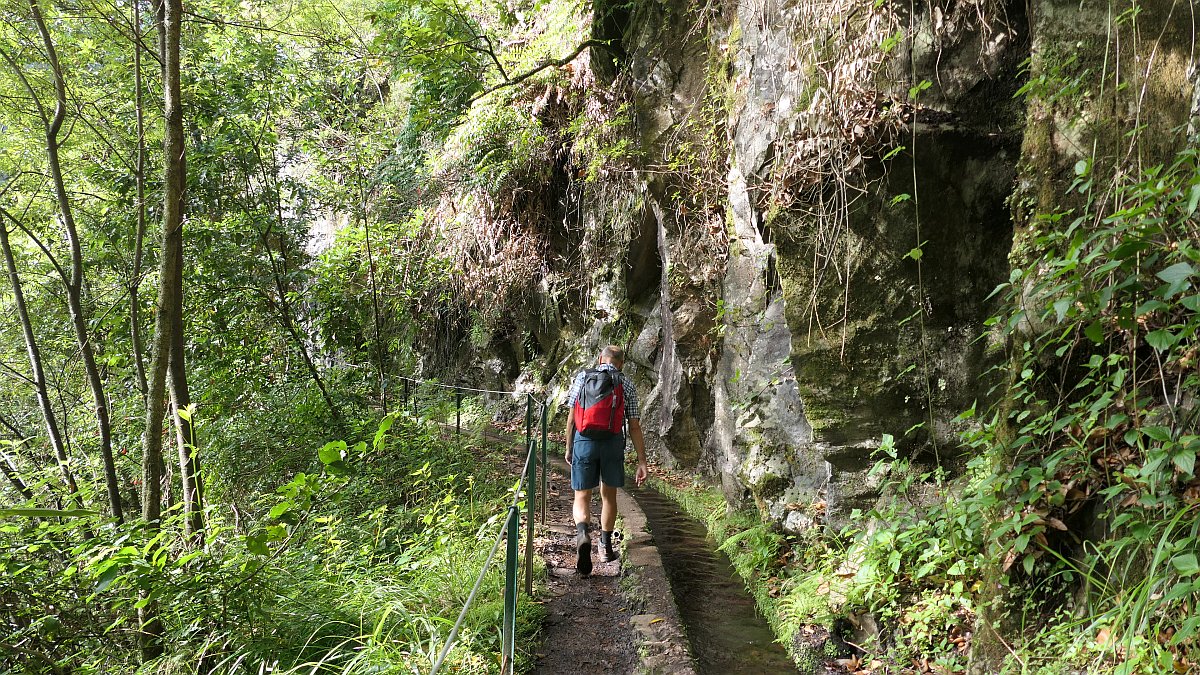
(726,633)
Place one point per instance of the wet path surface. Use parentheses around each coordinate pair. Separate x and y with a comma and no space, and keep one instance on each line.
(587,627)
(726,633)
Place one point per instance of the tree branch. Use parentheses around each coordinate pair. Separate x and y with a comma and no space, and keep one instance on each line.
(28,87)
(49,255)
(549,63)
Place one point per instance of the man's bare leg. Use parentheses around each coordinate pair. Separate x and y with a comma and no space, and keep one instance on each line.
(582,509)
(608,520)
(583,506)
(608,507)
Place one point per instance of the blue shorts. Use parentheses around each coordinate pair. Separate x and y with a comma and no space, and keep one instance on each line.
(593,460)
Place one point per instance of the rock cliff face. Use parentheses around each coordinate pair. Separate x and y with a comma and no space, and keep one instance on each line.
(813,271)
(826,198)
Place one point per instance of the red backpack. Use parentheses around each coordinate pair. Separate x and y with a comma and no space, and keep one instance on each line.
(600,408)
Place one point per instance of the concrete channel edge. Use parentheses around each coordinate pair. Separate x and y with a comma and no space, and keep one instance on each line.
(663,646)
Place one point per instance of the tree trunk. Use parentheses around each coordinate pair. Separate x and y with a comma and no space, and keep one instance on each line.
(39,374)
(74,283)
(185,430)
(10,471)
(135,276)
(170,301)
(286,317)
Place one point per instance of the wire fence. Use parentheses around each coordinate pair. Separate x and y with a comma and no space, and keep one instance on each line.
(528,486)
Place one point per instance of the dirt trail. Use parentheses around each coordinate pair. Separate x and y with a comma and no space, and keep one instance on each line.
(621,618)
(587,625)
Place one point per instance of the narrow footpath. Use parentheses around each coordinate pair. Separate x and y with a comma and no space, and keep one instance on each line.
(620,619)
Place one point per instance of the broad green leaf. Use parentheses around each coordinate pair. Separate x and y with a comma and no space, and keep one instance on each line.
(1158,433)
(1149,306)
(332,452)
(280,509)
(384,426)
(1185,461)
(1186,631)
(1176,276)
(1161,339)
(256,545)
(1095,332)
(107,576)
(1022,543)
(1061,306)
(1186,564)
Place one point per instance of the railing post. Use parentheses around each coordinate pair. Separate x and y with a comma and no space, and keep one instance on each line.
(508,639)
(530,514)
(545,463)
(457,413)
(404,403)
(528,419)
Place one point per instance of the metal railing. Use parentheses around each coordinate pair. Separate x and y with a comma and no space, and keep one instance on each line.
(535,496)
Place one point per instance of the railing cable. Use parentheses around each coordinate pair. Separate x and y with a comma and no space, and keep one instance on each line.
(486,565)
(527,485)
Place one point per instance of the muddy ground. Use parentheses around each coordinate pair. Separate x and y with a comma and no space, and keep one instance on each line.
(588,624)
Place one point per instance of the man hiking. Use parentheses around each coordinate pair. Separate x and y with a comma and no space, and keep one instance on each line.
(602,401)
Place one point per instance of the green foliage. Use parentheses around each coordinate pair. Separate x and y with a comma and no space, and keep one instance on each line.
(359,563)
(438,58)
(754,550)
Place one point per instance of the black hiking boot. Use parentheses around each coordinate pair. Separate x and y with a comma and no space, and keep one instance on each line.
(607,552)
(583,545)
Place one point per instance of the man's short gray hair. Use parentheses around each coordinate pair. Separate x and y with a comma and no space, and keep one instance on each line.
(613,353)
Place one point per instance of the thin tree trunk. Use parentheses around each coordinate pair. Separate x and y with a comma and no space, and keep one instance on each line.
(10,471)
(169,300)
(366,224)
(39,374)
(289,324)
(285,306)
(74,283)
(135,280)
(176,165)
(185,430)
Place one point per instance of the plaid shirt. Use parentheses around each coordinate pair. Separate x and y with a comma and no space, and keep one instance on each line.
(631,399)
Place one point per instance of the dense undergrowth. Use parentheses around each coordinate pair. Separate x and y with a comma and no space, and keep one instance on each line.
(359,563)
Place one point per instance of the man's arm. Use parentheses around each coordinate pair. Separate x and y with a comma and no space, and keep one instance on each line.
(571,433)
(639,444)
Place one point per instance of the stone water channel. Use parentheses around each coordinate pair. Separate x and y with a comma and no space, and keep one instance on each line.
(725,631)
